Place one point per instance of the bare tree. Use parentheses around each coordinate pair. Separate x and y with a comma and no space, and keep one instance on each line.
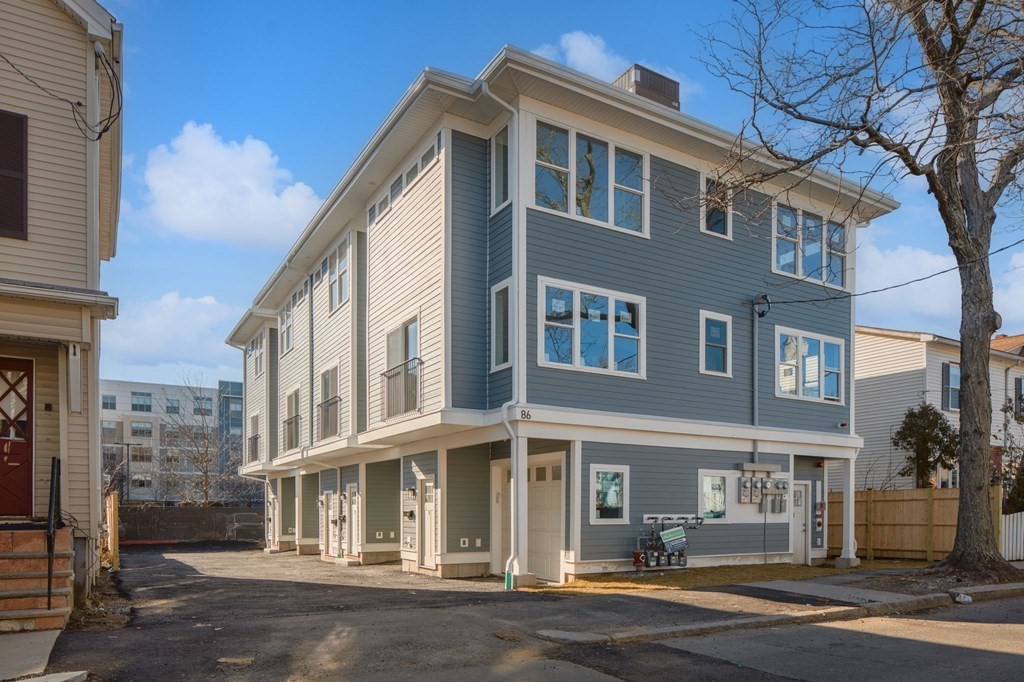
(890,89)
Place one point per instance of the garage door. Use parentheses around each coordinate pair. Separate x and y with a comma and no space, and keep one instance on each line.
(545,520)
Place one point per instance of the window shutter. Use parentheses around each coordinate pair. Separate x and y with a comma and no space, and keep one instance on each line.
(1019,396)
(945,385)
(13,175)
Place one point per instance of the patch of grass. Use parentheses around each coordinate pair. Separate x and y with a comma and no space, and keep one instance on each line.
(690,578)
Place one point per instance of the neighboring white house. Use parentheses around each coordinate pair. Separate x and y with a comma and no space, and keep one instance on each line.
(897,370)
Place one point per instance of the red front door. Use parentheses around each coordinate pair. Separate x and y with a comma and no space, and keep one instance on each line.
(15,437)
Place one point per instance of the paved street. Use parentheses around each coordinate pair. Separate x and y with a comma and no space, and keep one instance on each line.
(209,612)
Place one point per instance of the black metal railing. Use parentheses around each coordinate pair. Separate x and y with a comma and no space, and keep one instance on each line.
(328,414)
(401,388)
(253,448)
(290,427)
(54,522)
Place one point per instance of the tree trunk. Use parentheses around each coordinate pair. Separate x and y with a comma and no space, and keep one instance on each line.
(975,547)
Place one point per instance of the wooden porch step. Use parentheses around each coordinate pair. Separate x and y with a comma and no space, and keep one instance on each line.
(34,619)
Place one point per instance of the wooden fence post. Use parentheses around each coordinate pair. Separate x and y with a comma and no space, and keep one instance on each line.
(929,523)
(869,531)
(113,526)
(996,497)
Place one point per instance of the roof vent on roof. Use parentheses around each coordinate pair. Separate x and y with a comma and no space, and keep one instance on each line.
(650,84)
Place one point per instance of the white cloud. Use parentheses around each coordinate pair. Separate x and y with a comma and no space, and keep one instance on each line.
(590,54)
(172,330)
(207,188)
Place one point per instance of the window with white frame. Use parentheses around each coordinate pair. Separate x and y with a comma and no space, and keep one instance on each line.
(499,169)
(609,494)
(606,181)
(808,247)
(258,355)
(500,326)
(401,183)
(713,496)
(715,344)
(284,319)
(716,211)
(338,275)
(809,366)
(591,329)
(950,386)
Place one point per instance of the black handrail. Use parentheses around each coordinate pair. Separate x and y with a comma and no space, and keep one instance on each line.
(54,522)
(402,389)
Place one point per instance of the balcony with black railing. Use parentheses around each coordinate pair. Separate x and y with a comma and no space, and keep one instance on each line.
(328,418)
(253,449)
(290,428)
(402,389)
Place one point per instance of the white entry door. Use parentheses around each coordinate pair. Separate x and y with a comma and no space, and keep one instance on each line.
(350,533)
(798,521)
(545,517)
(428,523)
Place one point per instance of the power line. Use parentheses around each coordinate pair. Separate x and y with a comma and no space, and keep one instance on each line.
(902,284)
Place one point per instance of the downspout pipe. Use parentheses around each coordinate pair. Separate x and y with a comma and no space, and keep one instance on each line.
(756,417)
(518,492)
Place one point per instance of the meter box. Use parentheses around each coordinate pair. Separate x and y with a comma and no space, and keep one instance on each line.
(745,486)
(768,486)
(755,493)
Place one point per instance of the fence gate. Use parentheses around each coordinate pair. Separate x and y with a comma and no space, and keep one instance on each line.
(1012,537)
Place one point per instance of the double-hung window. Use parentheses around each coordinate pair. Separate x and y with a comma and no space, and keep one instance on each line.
(591,329)
(285,323)
(257,351)
(715,210)
(715,344)
(606,181)
(950,386)
(500,357)
(808,247)
(499,169)
(338,275)
(809,366)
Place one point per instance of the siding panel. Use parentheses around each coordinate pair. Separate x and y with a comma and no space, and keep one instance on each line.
(468,498)
(382,502)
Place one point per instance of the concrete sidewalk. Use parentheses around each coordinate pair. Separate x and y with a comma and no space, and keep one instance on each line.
(25,653)
(843,603)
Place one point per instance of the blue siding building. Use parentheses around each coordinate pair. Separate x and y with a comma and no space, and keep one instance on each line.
(532,320)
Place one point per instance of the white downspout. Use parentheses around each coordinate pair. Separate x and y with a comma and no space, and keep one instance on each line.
(515,566)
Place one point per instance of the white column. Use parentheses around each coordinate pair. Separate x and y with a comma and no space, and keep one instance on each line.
(848,555)
(517,564)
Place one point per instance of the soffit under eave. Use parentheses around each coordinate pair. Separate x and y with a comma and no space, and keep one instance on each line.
(517,81)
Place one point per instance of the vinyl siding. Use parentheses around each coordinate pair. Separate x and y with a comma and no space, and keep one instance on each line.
(273,428)
(360,337)
(467,504)
(288,505)
(294,374)
(681,271)
(665,481)
(406,280)
(890,379)
(349,475)
(33,319)
(382,502)
(470,293)
(499,268)
(310,504)
(328,481)
(256,403)
(426,464)
(806,469)
(332,348)
(44,42)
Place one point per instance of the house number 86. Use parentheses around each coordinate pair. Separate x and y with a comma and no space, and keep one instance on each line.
(525,414)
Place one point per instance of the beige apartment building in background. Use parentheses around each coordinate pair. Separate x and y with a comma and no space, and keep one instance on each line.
(60,182)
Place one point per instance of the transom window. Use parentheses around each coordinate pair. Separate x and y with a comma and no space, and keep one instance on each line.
(809,366)
(338,275)
(715,344)
(591,329)
(808,247)
(401,183)
(142,401)
(607,182)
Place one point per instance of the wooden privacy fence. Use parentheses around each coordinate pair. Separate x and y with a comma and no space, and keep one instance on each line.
(110,541)
(1012,544)
(903,524)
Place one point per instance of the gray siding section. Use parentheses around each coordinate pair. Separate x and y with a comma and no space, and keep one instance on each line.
(288,505)
(310,505)
(467,504)
(499,268)
(664,480)
(329,481)
(349,474)
(360,342)
(806,469)
(382,501)
(535,446)
(273,424)
(470,292)
(426,462)
(681,271)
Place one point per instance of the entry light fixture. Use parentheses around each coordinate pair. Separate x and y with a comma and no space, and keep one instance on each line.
(762,305)
(409,514)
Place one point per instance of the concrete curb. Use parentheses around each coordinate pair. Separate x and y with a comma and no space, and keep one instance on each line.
(831,614)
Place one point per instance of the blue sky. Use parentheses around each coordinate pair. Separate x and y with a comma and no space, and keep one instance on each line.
(240,116)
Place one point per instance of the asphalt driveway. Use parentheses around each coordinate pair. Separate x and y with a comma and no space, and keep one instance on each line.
(231,612)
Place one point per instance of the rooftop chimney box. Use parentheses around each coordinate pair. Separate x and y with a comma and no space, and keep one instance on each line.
(650,84)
